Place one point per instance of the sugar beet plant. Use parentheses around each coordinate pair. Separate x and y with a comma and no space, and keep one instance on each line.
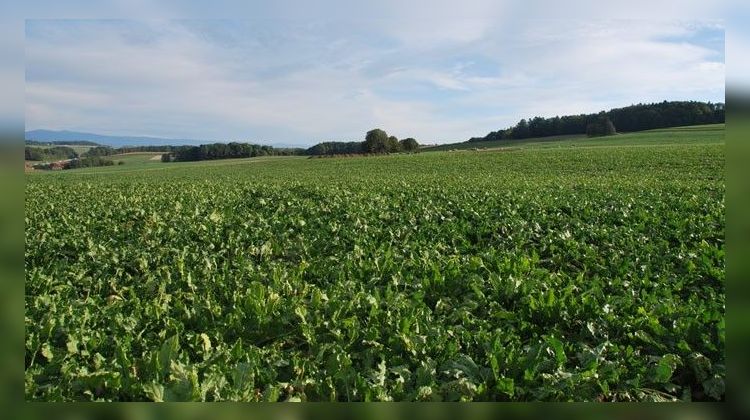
(591,274)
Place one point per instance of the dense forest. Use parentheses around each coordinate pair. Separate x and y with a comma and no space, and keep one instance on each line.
(224,151)
(631,118)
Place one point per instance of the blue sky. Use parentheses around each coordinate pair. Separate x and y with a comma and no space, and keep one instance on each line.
(302,81)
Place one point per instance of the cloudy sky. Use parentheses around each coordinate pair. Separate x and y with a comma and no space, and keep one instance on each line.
(298,82)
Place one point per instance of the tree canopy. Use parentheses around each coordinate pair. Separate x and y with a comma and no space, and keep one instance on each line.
(224,151)
(377,141)
(336,148)
(101,151)
(49,153)
(409,145)
(601,126)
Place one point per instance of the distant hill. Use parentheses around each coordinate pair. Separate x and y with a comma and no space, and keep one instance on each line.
(62,143)
(68,137)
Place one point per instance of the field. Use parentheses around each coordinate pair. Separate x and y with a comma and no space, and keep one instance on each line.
(586,271)
(136,158)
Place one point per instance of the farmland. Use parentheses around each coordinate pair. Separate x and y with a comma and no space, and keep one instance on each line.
(587,271)
(136,158)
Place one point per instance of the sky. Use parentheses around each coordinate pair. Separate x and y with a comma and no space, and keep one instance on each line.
(297,82)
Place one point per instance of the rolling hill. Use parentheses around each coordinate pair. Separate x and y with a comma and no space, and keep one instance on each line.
(114,141)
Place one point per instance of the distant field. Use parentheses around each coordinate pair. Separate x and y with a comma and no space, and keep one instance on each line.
(699,134)
(137,158)
(581,269)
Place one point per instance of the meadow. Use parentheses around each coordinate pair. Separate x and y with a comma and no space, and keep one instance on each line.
(583,270)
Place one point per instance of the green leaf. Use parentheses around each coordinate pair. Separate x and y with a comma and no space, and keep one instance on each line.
(168,352)
(154,391)
(506,386)
(271,394)
(47,352)
(205,342)
(215,216)
(72,345)
(558,349)
(714,387)
(183,385)
(664,368)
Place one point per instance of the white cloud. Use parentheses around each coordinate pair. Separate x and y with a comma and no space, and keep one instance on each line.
(436,79)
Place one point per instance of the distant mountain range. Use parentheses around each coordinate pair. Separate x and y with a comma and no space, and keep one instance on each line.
(118,141)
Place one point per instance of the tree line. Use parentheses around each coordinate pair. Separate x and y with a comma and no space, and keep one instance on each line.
(63,157)
(80,162)
(377,141)
(109,151)
(49,153)
(630,118)
(224,151)
(89,162)
(34,151)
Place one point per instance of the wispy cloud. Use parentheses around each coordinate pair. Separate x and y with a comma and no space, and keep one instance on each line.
(300,82)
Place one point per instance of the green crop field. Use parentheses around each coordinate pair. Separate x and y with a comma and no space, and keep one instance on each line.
(136,158)
(582,270)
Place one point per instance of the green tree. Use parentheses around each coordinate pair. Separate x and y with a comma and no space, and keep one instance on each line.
(409,145)
(521,130)
(601,126)
(376,141)
(100,151)
(392,146)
